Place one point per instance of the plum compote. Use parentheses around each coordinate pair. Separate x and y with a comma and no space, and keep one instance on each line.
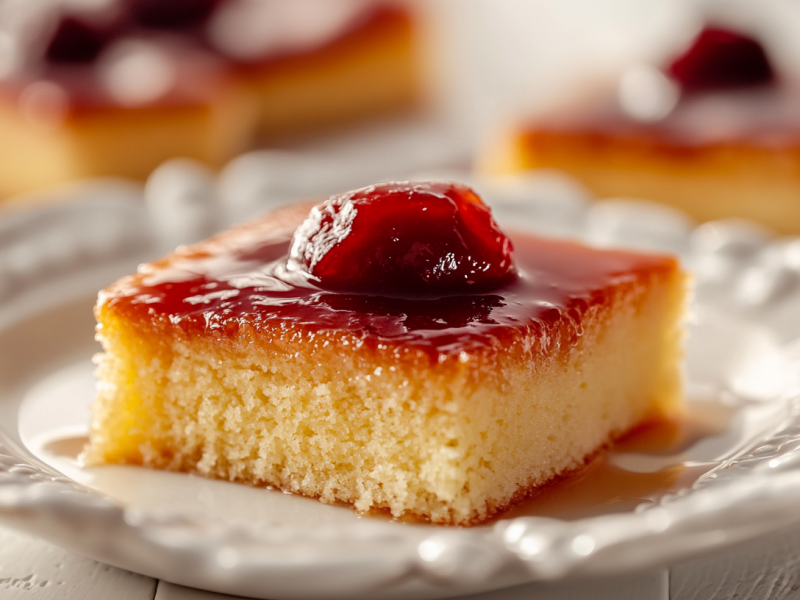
(406,237)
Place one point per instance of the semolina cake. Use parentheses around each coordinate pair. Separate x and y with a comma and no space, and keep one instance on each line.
(433,367)
(715,133)
(114,88)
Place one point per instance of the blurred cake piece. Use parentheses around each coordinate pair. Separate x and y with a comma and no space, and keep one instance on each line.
(716,132)
(118,87)
(147,101)
(315,63)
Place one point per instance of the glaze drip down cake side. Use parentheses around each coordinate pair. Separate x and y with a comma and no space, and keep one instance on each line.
(445,374)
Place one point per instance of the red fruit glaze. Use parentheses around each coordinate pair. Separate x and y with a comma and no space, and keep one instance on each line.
(231,288)
(719,59)
(396,238)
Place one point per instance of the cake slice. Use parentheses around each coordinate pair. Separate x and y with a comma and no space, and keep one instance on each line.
(715,133)
(117,87)
(391,349)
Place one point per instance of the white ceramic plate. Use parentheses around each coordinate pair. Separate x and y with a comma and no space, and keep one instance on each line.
(742,360)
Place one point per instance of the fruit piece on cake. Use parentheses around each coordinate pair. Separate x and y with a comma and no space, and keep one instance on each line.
(390,349)
(715,132)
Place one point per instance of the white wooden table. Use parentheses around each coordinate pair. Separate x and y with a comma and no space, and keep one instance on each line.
(765,569)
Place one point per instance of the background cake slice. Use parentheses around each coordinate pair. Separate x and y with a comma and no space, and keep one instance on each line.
(447,406)
(116,88)
(716,133)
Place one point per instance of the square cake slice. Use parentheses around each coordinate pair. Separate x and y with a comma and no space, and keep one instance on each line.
(714,133)
(226,359)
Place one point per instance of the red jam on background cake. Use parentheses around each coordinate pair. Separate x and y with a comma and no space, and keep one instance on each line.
(392,349)
(117,87)
(715,132)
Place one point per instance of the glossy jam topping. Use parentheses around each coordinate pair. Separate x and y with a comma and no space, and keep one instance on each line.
(433,237)
(721,59)
(236,286)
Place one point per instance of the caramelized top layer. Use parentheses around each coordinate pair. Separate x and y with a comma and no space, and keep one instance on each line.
(234,286)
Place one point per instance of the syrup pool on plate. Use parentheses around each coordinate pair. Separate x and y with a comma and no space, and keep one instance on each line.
(649,462)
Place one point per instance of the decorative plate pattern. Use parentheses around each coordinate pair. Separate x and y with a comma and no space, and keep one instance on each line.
(744,353)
